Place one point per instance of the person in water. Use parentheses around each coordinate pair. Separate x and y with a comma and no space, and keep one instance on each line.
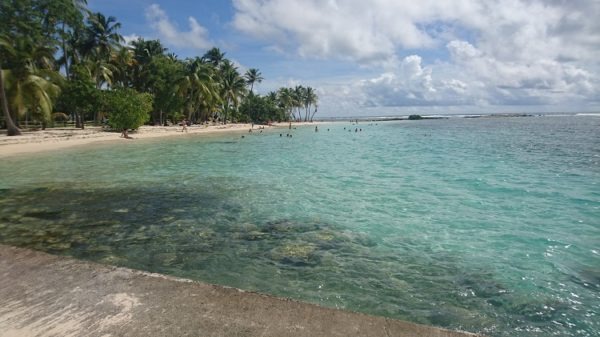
(316,129)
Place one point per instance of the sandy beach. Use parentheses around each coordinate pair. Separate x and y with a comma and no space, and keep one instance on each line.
(60,138)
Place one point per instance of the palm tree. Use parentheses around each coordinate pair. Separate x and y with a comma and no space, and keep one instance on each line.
(102,72)
(310,98)
(214,56)
(72,21)
(99,41)
(122,63)
(298,99)
(233,87)
(253,75)
(30,82)
(145,50)
(11,128)
(198,86)
(172,56)
(286,101)
(101,37)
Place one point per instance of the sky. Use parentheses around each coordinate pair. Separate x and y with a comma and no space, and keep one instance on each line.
(391,57)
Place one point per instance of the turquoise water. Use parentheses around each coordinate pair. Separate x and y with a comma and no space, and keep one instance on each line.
(489,225)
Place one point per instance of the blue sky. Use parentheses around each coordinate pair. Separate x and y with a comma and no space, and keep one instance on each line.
(391,57)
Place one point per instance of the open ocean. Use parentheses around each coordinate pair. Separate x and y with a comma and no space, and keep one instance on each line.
(488,225)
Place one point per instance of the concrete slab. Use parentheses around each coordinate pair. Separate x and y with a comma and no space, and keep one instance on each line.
(46,295)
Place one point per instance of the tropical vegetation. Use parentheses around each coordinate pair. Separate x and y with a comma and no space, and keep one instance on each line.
(59,60)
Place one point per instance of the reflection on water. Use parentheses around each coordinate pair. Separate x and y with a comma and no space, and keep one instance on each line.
(435,233)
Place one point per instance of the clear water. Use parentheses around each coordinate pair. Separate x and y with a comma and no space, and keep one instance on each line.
(486,225)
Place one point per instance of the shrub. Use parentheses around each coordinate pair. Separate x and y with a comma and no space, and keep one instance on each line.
(127,108)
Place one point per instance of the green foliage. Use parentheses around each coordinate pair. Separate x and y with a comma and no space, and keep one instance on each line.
(233,87)
(293,100)
(40,40)
(414,117)
(127,108)
(252,76)
(165,73)
(31,84)
(199,88)
(261,109)
(80,95)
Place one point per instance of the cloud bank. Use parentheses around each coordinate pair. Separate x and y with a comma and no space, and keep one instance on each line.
(442,53)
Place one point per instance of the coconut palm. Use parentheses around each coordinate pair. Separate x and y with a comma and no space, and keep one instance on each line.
(286,101)
(310,98)
(122,63)
(98,43)
(198,86)
(144,51)
(172,56)
(71,21)
(298,94)
(11,128)
(214,56)
(233,87)
(101,36)
(253,75)
(30,82)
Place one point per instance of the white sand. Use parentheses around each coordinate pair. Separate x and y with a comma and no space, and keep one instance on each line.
(55,139)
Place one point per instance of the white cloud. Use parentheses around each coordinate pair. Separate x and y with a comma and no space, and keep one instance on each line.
(195,38)
(413,84)
(129,38)
(513,52)
(542,81)
(375,30)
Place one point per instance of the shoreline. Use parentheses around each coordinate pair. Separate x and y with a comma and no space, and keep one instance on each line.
(62,138)
(49,295)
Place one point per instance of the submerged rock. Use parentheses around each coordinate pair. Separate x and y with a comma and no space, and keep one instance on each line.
(288,226)
(457,317)
(254,236)
(296,253)
(482,285)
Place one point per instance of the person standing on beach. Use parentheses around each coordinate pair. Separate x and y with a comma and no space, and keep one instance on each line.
(184,126)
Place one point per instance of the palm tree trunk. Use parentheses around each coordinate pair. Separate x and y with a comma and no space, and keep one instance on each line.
(80,121)
(11,128)
(64,48)
(313,114)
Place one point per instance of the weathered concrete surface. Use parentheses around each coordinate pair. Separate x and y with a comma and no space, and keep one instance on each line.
(46,295)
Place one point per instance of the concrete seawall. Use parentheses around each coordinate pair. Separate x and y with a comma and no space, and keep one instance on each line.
(46,295)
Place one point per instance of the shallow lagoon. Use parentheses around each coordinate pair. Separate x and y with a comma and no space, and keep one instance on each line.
(487,225)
